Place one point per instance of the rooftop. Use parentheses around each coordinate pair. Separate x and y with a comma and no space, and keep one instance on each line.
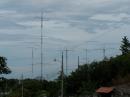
(104,90)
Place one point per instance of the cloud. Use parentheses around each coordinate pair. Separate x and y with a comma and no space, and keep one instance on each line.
(67,23)
(111,17)
(76,13)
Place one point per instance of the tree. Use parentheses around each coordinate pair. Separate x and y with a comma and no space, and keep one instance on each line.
(125,46)
(3,70)
(3,66)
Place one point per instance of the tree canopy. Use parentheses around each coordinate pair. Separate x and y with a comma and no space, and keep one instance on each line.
(4,69)
(125,46)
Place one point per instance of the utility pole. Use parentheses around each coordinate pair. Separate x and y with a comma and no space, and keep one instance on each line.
(22,84)
(62,76)
(32,62)
(66,60)
(104,53)
(86,56)
(66,51)
(62,73)
(78,62)
(41,46)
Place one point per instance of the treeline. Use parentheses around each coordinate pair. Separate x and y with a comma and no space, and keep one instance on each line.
(82,81)
(28,88)
(108,72)
(105,73)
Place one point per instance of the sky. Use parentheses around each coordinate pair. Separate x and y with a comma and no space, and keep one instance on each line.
(75,25)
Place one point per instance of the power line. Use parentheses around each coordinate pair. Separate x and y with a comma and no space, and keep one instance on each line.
(102,49)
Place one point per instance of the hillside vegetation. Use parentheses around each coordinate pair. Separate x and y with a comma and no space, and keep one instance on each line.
(82,81)
(105,73)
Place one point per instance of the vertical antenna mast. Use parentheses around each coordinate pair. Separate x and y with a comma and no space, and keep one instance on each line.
(32,62)
(62,76)
(78,62)
(104,53)
(86,56)
(41,45)
(66,60)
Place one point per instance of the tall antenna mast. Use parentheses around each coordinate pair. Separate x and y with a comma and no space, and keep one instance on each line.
(41,45)
(32,61)
(66,51)
(62,76)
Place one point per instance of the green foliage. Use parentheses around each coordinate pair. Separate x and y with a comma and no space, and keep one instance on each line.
(3,70)
(89,77)
(30,88)
(53,89)
(34,88)
(84,80)
(42,93)
(125,46)
(3,66)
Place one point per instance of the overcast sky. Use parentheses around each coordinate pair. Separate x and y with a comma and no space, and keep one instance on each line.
(73,24)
